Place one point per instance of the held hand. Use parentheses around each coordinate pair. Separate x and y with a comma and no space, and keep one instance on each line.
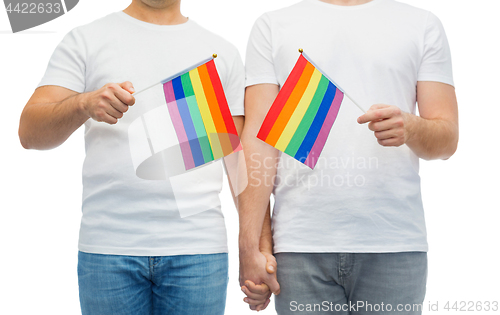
(258,296)
(388,124)
(109,102)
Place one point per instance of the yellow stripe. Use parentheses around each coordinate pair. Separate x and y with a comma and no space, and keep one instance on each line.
(299,112)
(206,116)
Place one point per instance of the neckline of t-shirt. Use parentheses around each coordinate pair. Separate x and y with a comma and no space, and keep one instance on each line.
(346,7)
(156,27)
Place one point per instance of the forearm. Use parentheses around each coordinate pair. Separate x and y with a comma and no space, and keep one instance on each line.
(266,236)
(431,138)
(47,125)
(254,201)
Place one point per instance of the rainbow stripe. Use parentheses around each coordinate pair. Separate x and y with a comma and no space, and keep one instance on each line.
(201,116)
(300,119)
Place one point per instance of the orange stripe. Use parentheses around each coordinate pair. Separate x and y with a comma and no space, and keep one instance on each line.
(213,104)
(290,105)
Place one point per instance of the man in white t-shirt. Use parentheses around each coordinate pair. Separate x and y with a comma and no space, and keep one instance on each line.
(139,253)
(349,236)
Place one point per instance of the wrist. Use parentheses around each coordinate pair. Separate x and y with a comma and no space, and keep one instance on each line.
(81,105)
(248,248)
(408,121)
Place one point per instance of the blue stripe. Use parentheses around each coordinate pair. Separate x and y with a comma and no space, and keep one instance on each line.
(319,119)
(188,122)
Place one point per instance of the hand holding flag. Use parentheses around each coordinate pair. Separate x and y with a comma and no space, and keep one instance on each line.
(388,124)
(109,103)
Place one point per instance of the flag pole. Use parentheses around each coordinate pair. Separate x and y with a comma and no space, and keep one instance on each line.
(178,74)
(352,100)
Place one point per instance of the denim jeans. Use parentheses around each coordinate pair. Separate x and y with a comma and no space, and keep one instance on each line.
(140,285)
(351,283)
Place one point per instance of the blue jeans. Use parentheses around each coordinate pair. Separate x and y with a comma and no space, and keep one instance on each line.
(351,283)
(140,285)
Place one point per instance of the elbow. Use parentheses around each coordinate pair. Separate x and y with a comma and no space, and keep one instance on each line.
(22,132)
(451,148)
(23,138)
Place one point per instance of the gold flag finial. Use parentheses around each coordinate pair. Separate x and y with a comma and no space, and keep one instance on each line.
(301,50)
(214,55)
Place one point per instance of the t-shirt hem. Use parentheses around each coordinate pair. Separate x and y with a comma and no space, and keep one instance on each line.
(262,80)
(151,251)
(237,111)
(62,83)
(436,78)
(351,249)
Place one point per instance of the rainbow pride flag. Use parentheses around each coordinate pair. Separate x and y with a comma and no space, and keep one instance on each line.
(200,114)
(300,119)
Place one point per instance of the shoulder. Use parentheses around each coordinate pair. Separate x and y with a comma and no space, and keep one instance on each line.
(408,12)
(94,29)
(101,23)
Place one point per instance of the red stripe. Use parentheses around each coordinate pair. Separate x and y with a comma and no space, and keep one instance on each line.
(221,98)
(282,97)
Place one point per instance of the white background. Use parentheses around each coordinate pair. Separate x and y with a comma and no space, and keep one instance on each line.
(41,195)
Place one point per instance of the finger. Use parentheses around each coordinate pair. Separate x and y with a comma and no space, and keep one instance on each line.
(273,285)
(103,116)
(128,86)
(375,114)
(257,289)
(378,106)
(119,105)
(253,302)
(386,124)
(117,97)
(263,307)
(112,111)
(255,296)
(123,92)
(392,142)
(388,134)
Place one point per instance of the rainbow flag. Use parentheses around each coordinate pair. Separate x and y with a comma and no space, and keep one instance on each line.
(300,119)
(200,115)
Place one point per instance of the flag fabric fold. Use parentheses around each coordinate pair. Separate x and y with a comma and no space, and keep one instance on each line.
(200,115)
(302,115)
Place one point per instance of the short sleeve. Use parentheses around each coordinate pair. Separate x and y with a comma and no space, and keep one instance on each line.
(235,86)
(436,61)
(259,66)
(66,67)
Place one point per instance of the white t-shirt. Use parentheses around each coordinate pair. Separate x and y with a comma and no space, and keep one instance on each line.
(360,197)
(124,214)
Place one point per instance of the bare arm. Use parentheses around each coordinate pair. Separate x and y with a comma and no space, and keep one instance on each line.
(254,200)
(260,160)
(266,236)
(432,135)
(53,113)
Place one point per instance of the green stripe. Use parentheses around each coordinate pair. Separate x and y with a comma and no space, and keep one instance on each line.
(201,133)
(308,118)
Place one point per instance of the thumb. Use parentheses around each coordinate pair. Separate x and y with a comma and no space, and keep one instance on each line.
(271,266)
(128,86)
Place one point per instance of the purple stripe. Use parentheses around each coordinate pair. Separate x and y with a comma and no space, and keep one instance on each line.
(178,125)
(313,156)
